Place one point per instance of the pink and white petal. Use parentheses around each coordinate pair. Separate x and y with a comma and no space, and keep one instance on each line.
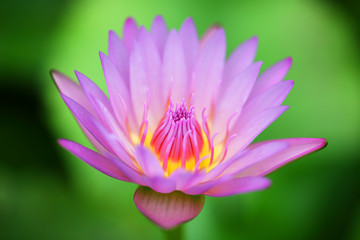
(130,33)
(250,130)
(71,89)
(203,187)
(114,127)
(252,156)
(110,142)
(271,76)
(208,71)
(138,83)
(221,167)
(94,93)
(149,164)
(271,97)
(97,145)
(174,67)
(234,97)
(152,64)
(145,66)
(87,120)
(190,41)
(297,148)
(132,174)
(237,186)
(240,59)
(186,179)
(119,56)
(208,34)
(94,159)
(119,94)
(159,33)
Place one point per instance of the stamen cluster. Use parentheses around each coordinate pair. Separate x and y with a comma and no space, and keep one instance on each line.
(178,138)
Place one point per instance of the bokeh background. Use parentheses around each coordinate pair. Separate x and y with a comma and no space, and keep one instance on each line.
(46,193)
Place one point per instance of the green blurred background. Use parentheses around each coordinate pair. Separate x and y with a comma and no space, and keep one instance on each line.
(46,193)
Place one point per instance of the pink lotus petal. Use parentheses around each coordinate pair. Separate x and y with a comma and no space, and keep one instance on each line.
(240,59)
(162,184)
(119,56)
(298,147)
(185,179)
(145,65)
(94,159)
(234,97)
(148,162)
(130,33)
(159,32)
(252,155)
(132,174)
(168,210)
(98,131)
(237,186)
(110,121)
(119,94)
(174,67)
(86,119)
(190,41)
(71,89)
(250,130)
(93,92)
(271,76)
(272,97)
(208,71)
(202,187)
(209,34)
(219,169)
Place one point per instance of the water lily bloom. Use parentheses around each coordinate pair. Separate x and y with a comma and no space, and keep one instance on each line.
(179,119)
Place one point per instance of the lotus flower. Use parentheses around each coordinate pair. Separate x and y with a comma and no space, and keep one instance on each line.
(179,119)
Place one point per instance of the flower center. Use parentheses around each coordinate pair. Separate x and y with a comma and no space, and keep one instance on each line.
(178,138)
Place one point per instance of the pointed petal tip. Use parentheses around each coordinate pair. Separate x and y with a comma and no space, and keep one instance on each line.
(159,17)
(130,20)
(56,75)
(62,142)
(189,20)
(168,210)
(289,60)
(285,108)
(254,39)
(65,143)
(78,74)
(53,72)
(112,34)
(102,55)
(286,61)
(323,143)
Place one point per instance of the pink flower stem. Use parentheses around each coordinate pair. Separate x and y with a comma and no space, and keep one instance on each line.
(175,233)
